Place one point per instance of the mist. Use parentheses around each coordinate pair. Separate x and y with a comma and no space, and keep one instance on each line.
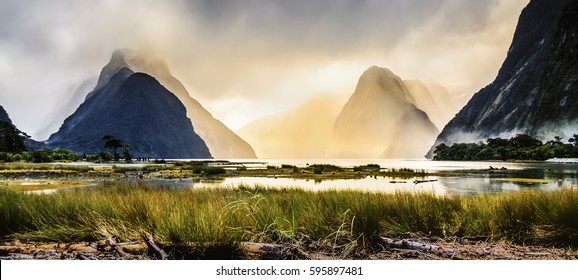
(244,59)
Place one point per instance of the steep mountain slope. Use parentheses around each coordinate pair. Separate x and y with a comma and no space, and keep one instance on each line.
(304,132)
(137,109)
(67,105)
(222,142)
(381,120)
(433,99)
(4,116)
(536,89)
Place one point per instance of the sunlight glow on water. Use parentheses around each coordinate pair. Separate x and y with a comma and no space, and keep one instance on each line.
(543,176)
(550,177)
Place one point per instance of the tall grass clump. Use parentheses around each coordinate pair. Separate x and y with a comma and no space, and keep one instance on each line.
(352,221)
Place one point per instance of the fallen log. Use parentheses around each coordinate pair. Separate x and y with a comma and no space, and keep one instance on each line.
(153,247)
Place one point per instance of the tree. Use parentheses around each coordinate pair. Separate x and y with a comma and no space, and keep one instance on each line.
(11,138)
(525,141)
(497,142)
(112,144)
(574,139)
(126,153)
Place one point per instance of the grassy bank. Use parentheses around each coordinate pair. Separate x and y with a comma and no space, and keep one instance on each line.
(352,221)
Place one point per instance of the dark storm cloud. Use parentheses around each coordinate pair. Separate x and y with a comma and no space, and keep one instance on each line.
(335,25)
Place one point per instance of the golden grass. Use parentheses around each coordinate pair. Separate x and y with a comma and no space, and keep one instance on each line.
(226,216)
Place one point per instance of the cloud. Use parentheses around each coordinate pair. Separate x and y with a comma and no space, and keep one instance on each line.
(270,54)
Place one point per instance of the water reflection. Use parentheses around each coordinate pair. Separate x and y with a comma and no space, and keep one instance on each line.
(470,185)
(519,176)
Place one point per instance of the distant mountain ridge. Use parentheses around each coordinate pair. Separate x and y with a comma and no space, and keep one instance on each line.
(536,89)
(137,109)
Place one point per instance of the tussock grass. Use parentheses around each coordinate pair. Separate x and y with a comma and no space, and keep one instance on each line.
(352,221)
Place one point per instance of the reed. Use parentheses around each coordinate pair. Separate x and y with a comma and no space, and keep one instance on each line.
(353,221)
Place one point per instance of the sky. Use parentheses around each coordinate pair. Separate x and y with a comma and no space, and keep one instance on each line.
(246,59)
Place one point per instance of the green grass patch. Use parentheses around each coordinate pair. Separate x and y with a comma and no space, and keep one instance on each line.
(353,221)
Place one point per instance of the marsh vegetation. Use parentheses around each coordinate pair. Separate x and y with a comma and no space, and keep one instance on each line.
(352,222)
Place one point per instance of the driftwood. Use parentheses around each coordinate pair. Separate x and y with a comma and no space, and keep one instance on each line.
(412,245)
(537,254)
(153,247)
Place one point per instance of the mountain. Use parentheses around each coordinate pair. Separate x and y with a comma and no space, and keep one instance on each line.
(381,119)
(137,109)
(303,133)
(433,99)
(536,89)
(4,116)
(222,142)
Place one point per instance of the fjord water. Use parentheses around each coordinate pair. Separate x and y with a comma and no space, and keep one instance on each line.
(482,177)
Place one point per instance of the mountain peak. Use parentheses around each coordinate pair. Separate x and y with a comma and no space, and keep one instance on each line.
(137,109)
(380,113)
(134,60)
(382,81)
(222,142)
(376,70)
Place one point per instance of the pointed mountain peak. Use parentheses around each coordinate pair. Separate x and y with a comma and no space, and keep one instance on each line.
(222,142)
(136,61)
(380,113)
(382,81)
(377,73)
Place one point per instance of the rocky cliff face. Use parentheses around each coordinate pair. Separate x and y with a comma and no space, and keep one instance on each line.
(381,119)
(222,142)
(536,89)
(137,109)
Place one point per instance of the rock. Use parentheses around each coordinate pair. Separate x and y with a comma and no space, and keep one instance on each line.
(536,89)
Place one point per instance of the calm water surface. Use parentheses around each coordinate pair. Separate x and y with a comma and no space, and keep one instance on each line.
(547,177)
